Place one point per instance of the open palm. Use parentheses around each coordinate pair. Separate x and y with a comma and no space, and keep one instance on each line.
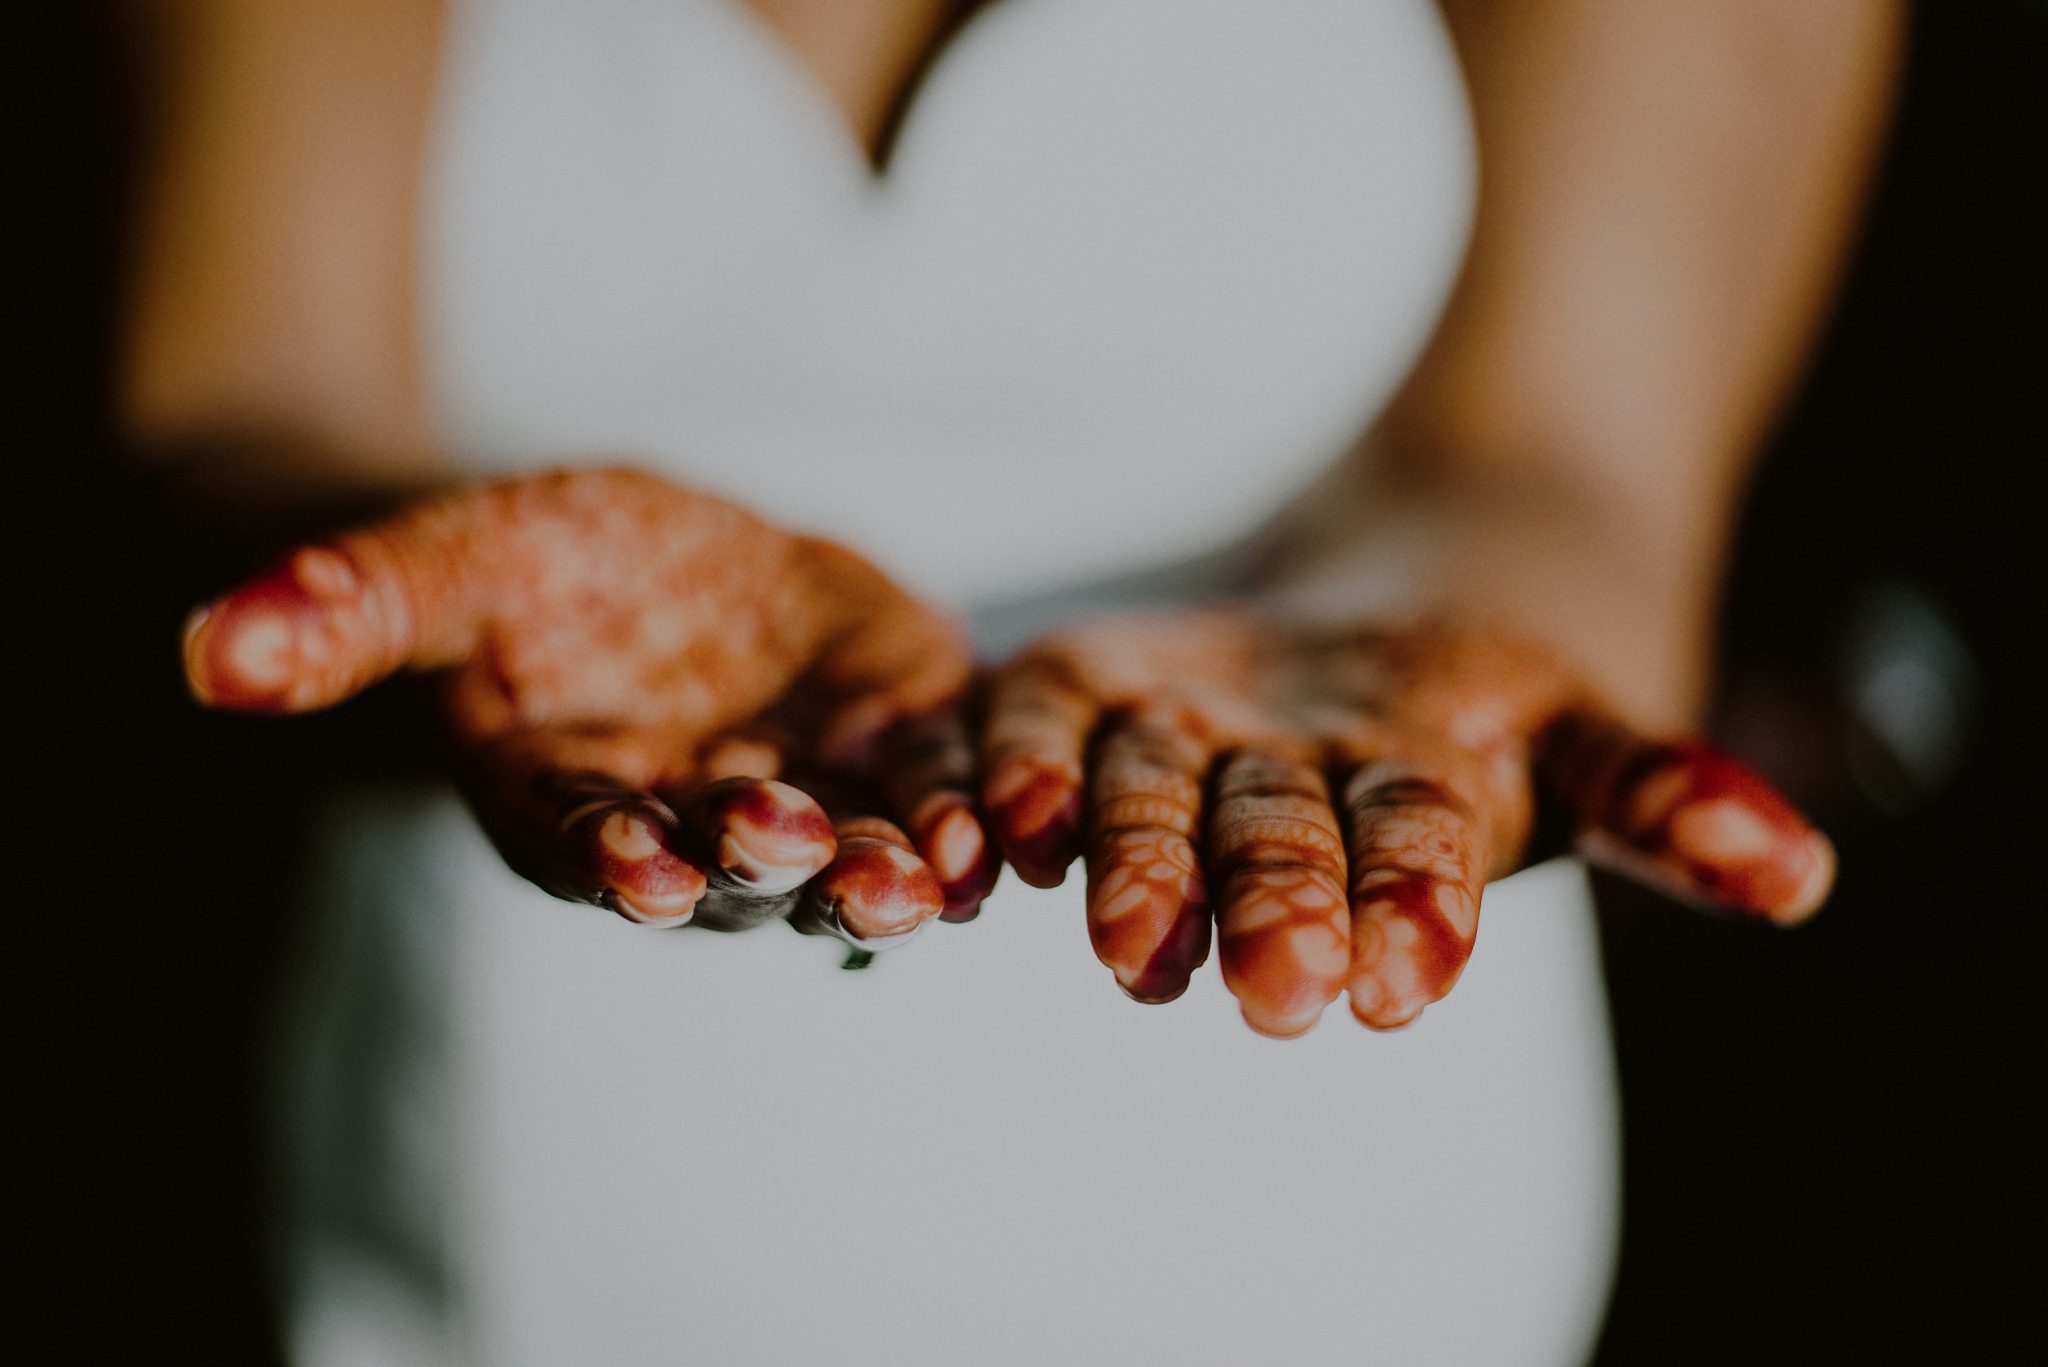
(629,669)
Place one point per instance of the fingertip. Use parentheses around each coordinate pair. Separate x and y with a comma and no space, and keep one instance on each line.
(644,880)
(1376,1008)
(1149,922)
(1279,995)
(654,913)
(240,652)
(960,852)
(1812,892)
(765,836)
(1280,1024)
(1162,980)
(275,644)
(1036,814)
(1153,962)
(1039,871)
(1043,852)
(877,889)
(1155,997)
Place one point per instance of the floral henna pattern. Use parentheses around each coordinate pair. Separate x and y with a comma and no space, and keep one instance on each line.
(1284,923)
(1033,752)
(1436,736)
(1286,945)
(593,634)
(1148,907)
(1148,911)
(1417,860)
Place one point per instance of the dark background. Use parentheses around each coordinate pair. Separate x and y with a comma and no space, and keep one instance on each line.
(1830,1153)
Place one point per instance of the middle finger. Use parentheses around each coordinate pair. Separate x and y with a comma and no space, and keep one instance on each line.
(1276,862)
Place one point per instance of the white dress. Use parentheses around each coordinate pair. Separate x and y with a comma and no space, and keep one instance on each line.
(1136,271)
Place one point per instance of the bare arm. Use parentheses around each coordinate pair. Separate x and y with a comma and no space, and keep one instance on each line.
(1666,195)
(268,344)
(1463,635)
(628,669)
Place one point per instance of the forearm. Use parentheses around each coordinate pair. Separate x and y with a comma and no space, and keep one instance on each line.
(1666,198)
(1621,593)
(266,343)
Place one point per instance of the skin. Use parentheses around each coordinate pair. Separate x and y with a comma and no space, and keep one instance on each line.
(626,670)
(1474,630)
(1336,800)
(1491,619)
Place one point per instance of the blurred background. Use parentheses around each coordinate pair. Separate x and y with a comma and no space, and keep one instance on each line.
(1830,1147)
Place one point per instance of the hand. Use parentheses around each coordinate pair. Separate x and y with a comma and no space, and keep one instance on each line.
(1340,797)
(627,669)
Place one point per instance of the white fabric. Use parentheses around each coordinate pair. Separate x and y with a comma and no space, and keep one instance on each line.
(1136,271)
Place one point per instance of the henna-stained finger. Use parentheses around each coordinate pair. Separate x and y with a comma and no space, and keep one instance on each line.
(1276,871)
(331,618)
(759,842)
(1148,907)
(571,811)
(876,892)
(1033,746)
(1418,855)
(1687,818)
(926,772)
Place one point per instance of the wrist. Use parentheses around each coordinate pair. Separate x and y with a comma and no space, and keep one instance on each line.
(1622,594)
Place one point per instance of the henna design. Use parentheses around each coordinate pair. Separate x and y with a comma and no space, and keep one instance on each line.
(598,633)
(876,892)
(1690,819)
(1278,862)
(1440,730)
(928,773)
(585,836)
(312,628)
(1032,753)
(1418,860)
(765,837)
(1148,906)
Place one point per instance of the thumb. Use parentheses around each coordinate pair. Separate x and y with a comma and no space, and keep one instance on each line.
(333,617)
(1682,816)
